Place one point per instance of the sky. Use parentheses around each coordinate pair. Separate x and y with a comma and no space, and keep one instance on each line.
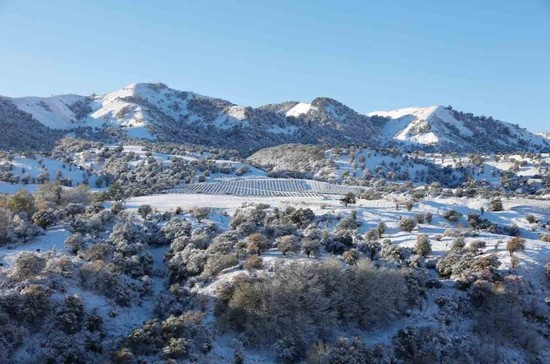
(487,57)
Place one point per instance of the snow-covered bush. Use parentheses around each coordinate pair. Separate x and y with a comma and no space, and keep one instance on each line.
(452,215)
(28,265)
(423,246)
(407,224)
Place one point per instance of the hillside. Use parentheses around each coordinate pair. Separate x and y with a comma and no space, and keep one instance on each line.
(153,111)
(445,129)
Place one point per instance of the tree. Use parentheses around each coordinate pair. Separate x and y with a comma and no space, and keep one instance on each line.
(116,192)
(423,246)
(144,210)
(22,201)
(311,246)
(6,227)
(348,199)
(257,243)
(287,244)
(51,192)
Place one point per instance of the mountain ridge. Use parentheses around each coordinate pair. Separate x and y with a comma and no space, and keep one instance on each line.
(153,111)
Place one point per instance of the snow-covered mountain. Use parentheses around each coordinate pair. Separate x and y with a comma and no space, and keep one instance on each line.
(156,112)
(444,128)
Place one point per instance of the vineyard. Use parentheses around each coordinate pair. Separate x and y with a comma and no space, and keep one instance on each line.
(265,187)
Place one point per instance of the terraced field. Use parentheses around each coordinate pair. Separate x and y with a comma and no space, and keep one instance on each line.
(265,187)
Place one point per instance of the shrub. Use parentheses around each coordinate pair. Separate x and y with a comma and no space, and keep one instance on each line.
(28,265)
(515,244)
(75,243)
(496,205)
(257,243)
(423,246)
(454,263)
(351,256)
(301,303)
(419,218)
(348,223)
(348,199)
(381,228)
(288,244)
(200,213)
(22,201)
(531,219)
(311,246)
(429,217)
(458,243)
(253,262)
(99,251)
(544,237)
(407,224)
(44,218)
(452,215)
(409,205)
(217,263)
(144,210)
(176,348)
(476,245)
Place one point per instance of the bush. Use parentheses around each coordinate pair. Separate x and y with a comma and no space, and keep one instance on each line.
(452,215)
(257,243)
(348,199)
(496,205)
(407,224)
(302,303)
(476,245)
(531,219)
(75,243)
(515,244)
(200,213)
(311,246)
(144,210)
(44,218)
(253,262)
(419,218)
(544,237)
(458,243)
(423,246)
(381,228)
(429,217)
(28,265)
(217,263)
(288,244)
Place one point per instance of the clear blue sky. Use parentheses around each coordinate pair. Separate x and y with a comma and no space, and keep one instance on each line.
(489,57)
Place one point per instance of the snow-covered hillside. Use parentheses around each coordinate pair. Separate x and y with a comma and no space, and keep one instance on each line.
(449,130)
(153,111)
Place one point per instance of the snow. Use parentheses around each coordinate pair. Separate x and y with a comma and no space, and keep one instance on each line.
(53,111)
(288,130)
(300,109)
(54,237)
